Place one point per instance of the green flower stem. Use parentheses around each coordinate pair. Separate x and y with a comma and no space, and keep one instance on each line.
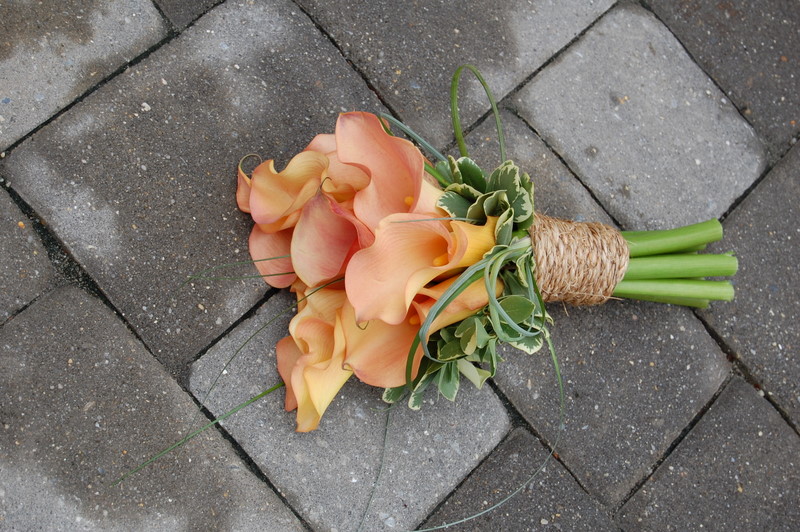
(645,243)
(680,266)
(682,301)
(680,288)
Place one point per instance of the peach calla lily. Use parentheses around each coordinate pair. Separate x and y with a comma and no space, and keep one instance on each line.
(410,251)
(396,168)
(310,360)
(278,272)
(277,197)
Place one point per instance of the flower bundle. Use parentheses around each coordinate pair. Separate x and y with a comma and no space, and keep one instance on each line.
(409,273)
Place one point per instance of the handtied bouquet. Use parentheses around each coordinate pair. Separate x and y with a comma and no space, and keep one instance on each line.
(409,273)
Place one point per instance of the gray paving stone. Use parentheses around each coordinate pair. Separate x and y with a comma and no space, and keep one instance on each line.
(635,374)
(551,499)
(557,192)
(642,125)
(738,469)
(82,403)
(139,180)
(181,13)
(410,51)
(57,54)
(25,271)
(751,48)
(761,323)
(328,475)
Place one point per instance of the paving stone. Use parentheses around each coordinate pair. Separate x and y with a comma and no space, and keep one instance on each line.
(139,180)
(738,469)
(551,499)
(59,52)
(409,52)
(635,375)
(752,49)
(25,271)
(328,475)
(181,13)
(557,192)
(760,325)
(82,403)
(642,125)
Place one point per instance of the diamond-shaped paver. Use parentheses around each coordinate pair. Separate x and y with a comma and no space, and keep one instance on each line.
(752,49)
(139,179)
(556,190)
(81,403)
(329,475)
(635,374)
(738,469)
(50,55)
(551,499)
(642,125)
(25,271)
(409,51)
(760,325)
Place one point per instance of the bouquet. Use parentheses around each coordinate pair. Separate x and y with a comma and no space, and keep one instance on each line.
(409,273)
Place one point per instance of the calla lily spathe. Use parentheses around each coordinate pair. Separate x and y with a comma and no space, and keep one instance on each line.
(410,251)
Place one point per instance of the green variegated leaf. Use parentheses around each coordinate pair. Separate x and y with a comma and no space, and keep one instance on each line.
(530,344)
(455,171)
(450,351)
(392,395)
(505,177)
(453,204)
(444,169)
(418,395)
(471,173)
(518,308)
(504,231)
(476,375)
(448,380)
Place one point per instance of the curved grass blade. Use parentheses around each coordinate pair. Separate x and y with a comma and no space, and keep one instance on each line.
(414,135)
(561,428)
(198,431)
(459,133)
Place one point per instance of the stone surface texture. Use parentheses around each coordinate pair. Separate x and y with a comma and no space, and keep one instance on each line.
(182,13)
(635,374)
(50,56)
(82,403)
(737,469)
(549,496)
(410,51)
(751,48)
(642,125)
(139,180)
(761,325)
(121,126)
(421,456)
(25,272)
(557,191)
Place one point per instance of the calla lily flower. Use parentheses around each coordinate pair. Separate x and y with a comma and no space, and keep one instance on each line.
(325,237)
(278,272)
(276,198)
(396,168)
(377,352)
(410,251)
(311,359)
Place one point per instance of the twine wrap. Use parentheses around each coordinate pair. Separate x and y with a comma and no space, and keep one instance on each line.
(576,262)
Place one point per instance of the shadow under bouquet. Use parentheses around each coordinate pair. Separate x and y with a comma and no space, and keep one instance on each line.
(409,273)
